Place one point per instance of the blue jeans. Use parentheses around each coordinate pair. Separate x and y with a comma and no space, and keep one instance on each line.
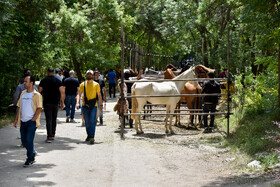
(90,120)
(70,102)
(27,133)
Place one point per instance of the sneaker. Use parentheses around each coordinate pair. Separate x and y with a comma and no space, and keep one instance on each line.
(87,139)
(91,140)
(72,121)
(206,130)
(67,119)
(49,139)
(28,163)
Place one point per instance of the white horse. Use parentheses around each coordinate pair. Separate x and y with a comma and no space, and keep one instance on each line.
(159,88)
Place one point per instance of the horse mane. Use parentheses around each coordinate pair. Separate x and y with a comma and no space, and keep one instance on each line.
(185,72)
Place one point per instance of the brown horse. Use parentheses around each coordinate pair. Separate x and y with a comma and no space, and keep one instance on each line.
(191,87)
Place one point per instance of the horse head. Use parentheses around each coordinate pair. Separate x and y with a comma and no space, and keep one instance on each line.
(201,71)
(168,74)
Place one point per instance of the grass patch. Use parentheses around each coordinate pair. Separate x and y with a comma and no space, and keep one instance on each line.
(247,130)
(6,119)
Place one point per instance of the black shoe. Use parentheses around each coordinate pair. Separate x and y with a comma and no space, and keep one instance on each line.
(206,130)
(210,130)
(101,121)
(28,163)
(87,139)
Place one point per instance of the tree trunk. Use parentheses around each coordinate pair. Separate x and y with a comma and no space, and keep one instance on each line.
(76,66)
(279,76)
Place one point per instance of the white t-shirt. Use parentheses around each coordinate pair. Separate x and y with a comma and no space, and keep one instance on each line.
(27,111)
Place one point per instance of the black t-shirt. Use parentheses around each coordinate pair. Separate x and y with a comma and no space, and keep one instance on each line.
(211,87)
(101,85)
(71,84)
(51,93)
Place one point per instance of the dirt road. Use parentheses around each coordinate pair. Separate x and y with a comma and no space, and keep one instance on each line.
(151,159)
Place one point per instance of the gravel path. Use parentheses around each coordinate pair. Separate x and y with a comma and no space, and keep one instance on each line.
(151,159)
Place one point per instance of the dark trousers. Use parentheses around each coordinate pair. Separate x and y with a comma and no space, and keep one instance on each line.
(206,109)
(27,133)
(70,104)
(51,115)
(112,89)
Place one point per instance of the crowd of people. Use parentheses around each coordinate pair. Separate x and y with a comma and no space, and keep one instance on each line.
(59,90)
(89,95)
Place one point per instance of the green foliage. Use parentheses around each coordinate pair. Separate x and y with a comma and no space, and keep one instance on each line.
(258,93)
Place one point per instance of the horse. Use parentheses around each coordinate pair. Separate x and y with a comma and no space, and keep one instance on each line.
(191,87)
(159,88)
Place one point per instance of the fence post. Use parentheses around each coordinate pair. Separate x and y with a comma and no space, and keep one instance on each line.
(122,84)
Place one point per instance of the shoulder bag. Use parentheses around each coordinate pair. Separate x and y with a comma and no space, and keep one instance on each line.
(89,104)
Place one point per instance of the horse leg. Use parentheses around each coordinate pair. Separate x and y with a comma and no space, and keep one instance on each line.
(137,119)
(140,127)
(176,116)
(166,118)
(170,120)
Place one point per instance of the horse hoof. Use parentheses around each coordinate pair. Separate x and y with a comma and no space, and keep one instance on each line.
(141,132)
(172,132)
(138,132)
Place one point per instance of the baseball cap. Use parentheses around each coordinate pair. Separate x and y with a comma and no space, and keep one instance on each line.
(89,71)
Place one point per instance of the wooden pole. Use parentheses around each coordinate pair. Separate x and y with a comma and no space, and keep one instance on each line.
(228,94)
(122,84)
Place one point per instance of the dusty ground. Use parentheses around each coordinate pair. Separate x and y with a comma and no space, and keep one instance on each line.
(151,159)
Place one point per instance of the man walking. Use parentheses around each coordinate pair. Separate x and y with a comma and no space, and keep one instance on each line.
(103,94)
(90,90)
(71,90)
(52,90)
(112,83)
(210,102)
(58,74)
(28,117)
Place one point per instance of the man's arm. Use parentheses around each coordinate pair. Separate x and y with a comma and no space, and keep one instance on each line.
(16,95)
(62,96)
(104,94)
(100,100)
(78,99)
(16,119)
(37,113)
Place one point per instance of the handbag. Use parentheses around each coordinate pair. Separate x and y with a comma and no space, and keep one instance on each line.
(89,104)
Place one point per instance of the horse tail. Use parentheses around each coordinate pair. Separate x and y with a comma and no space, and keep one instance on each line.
(134,103)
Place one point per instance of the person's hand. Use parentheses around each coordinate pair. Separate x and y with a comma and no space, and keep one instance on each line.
(78,106)
(62,106)
(15,124)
